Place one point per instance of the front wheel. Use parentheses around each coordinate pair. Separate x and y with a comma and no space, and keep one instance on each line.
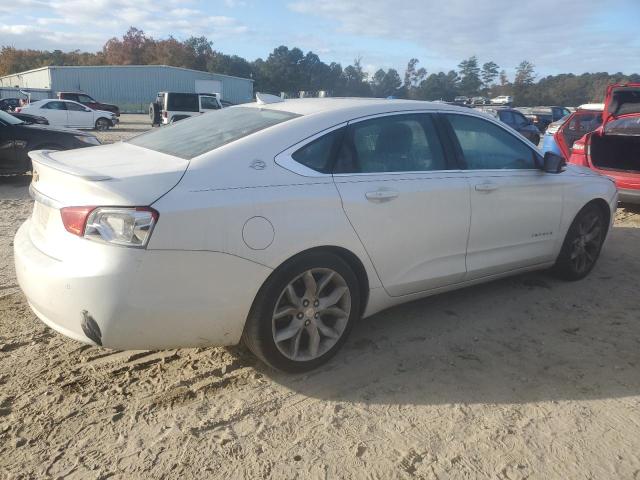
(303,313)
(582,245)
(102,124)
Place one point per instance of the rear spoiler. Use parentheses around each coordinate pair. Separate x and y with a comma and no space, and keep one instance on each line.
(43,157)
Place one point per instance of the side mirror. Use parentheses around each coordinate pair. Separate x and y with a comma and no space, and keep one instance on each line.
(553,163)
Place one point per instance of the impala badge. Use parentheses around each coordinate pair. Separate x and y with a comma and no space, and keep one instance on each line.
(258,165)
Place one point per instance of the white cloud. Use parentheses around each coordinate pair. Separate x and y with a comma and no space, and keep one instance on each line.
(559,35)
(87,24)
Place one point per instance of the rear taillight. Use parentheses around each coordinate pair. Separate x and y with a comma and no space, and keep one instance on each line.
(17,109)
(164,114)
(578,147)
(125,226)
(74,219)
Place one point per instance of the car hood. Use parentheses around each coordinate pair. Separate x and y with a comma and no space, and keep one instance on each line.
(49,128)
(621,100)
(105,113)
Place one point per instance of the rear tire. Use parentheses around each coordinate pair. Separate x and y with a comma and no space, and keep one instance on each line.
(303,313)
(582,245)
(154,114)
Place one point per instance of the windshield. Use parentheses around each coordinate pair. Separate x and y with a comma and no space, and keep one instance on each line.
(197,135)
(8,118)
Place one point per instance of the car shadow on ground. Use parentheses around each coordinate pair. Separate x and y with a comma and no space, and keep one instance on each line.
(528,338)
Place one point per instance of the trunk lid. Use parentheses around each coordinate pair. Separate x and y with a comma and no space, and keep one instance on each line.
(109,175)
(621,99)
(118,174)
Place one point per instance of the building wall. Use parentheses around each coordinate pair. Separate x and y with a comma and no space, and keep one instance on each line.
(32,79)
(132,88)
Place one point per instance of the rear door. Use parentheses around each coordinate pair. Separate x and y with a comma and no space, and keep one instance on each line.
(577,125)
(56,112)
(407,203)
(515,207)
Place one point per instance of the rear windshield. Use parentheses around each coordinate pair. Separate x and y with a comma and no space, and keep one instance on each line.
(623,126)
(197,135)
(183,102)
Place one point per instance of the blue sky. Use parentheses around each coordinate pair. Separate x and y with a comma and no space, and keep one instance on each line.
(557,36)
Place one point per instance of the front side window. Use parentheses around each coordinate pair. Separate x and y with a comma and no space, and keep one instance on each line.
(55,106)
(487,146)
(398,143)
(197,135)
(75,107)
(85,99)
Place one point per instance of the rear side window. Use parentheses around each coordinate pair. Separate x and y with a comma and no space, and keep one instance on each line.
(486,146)
(318,154)
(398,143)
(197,135)
(183,102)
(209,103)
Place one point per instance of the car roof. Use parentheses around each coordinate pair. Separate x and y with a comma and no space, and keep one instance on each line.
(353,106)
(592,106)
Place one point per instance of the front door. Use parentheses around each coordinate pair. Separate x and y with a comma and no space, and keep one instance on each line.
(516,208)
(79,115)
(409,207)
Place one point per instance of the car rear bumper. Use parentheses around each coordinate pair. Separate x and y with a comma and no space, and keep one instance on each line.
(126,298)
(626,195)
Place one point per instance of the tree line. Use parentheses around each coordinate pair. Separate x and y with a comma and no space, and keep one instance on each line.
(291,70)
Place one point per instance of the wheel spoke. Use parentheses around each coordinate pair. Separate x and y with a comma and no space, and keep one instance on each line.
(332,298)
(284,312)
(293,296)
(310,284)
(326,330)
(288,332)
(295,348)
(324,282)
(593,234)
(314,340)
(335,311)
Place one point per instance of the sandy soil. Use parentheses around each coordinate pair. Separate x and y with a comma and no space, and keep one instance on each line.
(527,377)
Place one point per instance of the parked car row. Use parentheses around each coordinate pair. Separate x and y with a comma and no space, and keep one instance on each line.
(542,117)
(67,113)
(516,120)
(18,138)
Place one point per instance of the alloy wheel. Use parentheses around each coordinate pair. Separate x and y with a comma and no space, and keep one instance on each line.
(587,242)
(311,314)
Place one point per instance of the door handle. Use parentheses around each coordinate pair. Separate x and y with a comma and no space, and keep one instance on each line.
(381,195)
(486,187)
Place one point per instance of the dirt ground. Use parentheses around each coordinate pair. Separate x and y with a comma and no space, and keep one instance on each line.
(527,377)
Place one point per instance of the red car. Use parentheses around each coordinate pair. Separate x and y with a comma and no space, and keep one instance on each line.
(88,101)
(613,149)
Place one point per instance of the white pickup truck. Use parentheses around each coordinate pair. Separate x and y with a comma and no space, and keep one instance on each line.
(169,107)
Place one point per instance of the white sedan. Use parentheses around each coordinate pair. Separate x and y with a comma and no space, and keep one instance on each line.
(67,113)
(281,224)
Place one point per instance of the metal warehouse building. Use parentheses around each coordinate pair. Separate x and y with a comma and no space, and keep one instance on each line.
(131,87)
